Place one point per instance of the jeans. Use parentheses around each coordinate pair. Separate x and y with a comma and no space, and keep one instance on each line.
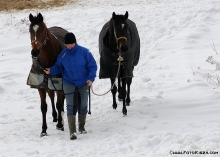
(70,107)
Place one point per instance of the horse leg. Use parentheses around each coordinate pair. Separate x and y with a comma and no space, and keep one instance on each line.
(114,90)
(42,93)
(119,90)
(59,106)
(124,110)
(129,81)
(54,112)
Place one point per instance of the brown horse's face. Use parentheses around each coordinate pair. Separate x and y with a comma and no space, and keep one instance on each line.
(38,35)
(121,31)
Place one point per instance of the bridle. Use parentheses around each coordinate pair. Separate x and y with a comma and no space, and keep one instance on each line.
(39,66)
(35,41)
(41,44)
(118,38)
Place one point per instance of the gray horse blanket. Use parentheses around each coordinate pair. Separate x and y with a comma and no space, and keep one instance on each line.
(108,59)
(59,33)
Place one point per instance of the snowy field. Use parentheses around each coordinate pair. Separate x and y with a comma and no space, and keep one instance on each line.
(173,109)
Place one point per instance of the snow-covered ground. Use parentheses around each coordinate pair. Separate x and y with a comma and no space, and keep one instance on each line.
(173,108)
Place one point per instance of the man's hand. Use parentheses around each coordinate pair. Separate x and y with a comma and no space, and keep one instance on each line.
(47,70)
(89,83)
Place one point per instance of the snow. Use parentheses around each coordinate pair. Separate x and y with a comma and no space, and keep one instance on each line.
(173,107)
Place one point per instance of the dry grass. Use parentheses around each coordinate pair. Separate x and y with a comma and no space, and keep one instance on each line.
(7,5)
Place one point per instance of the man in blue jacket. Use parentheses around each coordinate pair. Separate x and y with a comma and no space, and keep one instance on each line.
(78,68)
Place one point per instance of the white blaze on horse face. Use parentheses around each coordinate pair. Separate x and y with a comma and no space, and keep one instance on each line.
(122,25)
(35,28)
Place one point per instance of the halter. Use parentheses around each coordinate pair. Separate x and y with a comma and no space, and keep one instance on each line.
(118,38)
(43,43)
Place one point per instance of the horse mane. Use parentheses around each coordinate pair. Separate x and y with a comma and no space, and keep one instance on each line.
(36,19)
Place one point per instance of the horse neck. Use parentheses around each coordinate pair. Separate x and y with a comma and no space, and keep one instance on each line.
(49,51)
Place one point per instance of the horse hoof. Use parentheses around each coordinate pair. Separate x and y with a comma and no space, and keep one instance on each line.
(62,129)
(120,98)
(127,104)
(43,134)
(114,106)
(124,111)
(125,114)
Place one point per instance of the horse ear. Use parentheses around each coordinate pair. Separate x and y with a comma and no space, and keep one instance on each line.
(31,17)
(114,15)
(40,17)
(126,15)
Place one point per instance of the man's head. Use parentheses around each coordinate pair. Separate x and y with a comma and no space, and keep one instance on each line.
(70,40)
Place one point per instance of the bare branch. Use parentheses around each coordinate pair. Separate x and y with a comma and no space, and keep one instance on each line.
(212,79)
(213,61)
(213,47)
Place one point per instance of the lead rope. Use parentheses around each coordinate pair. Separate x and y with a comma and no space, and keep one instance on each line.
(120,58)
(89,102)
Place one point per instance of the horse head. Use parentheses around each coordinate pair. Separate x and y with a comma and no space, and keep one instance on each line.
(38,34)
(120,27)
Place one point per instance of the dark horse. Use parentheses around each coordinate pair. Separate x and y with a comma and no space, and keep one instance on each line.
(119,47)
(46,46)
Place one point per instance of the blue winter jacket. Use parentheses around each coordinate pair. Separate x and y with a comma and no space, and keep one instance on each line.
(77,66)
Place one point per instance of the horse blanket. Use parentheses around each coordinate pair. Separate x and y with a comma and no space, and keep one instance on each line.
(59,33)
(108,59)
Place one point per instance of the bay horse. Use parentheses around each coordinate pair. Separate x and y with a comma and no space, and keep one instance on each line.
(119,48)
(46,45)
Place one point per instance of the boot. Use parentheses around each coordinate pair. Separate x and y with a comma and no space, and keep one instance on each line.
(82,121)
(72,126)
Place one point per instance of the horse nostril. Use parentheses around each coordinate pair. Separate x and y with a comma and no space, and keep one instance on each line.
(124,48)
(35,53)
